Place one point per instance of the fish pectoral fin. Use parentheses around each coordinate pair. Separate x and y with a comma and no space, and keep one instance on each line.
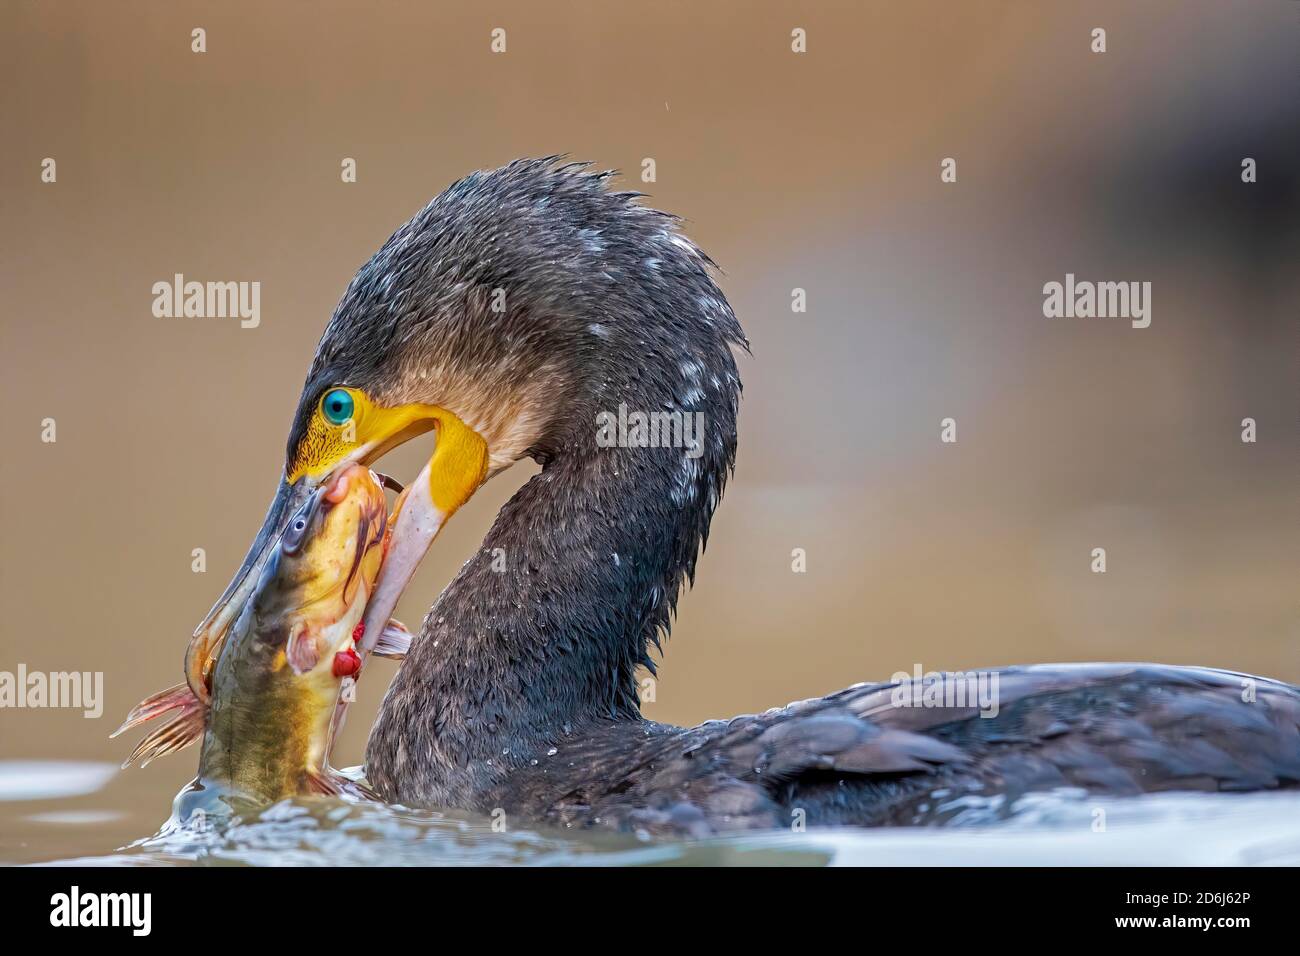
(302,649)
(178,695)
(178,732)
(394,641)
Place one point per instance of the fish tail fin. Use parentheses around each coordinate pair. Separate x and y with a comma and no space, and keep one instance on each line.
(177,733)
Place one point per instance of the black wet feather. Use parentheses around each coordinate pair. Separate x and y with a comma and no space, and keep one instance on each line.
(520,691)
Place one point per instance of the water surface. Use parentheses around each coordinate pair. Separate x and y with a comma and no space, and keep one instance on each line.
(87,813)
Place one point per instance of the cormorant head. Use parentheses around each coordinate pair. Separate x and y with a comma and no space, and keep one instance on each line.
(503,318)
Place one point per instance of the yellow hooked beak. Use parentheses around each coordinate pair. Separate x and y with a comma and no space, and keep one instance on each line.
(348,428)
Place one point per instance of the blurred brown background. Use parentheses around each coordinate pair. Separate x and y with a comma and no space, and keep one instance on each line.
(819,171)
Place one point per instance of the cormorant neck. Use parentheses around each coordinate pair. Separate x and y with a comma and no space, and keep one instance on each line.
(609,331)
(541,634)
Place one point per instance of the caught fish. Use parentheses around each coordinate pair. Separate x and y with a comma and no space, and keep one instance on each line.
(277,691)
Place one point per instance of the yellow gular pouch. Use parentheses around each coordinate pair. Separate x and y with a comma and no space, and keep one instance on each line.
(459,464)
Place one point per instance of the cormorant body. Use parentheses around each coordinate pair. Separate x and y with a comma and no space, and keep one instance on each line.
(530,301)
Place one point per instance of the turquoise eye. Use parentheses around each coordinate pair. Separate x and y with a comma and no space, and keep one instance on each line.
(337,406)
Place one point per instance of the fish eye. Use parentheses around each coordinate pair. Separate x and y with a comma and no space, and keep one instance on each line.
(337,406)
(291,541)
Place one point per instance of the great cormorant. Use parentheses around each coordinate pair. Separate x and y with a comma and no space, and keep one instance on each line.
(506,316)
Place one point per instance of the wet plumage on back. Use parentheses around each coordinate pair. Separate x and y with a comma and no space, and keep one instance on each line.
(856,758)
